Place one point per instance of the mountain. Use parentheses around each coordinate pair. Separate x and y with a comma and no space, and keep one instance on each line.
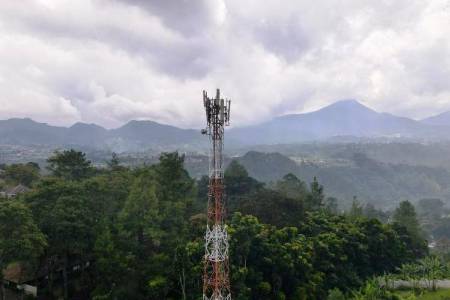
(86,135)
(133,136)
(152,132)
(26,132)
(138,134)
(343,118)
(346,120)
(442,119)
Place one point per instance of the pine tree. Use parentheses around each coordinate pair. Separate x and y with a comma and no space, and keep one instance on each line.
(315,199)
(406,215)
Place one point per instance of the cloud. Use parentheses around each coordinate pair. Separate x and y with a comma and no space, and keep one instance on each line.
(192,18)
(111,61)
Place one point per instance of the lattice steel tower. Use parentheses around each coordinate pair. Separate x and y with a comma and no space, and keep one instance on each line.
(216,282)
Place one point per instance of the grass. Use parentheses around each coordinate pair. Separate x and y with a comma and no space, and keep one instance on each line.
(427,295)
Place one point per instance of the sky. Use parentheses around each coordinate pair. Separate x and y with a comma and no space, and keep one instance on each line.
(111,61)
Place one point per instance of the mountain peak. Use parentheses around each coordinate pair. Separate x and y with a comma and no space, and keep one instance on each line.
(81,125)
(347,104)
(23,122)
(135,123)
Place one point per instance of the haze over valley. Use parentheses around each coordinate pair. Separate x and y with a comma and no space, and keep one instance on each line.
(346,120)
(353,150)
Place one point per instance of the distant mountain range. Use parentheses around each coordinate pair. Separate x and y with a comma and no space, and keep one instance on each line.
(133,136)
(346,118)
(343,119)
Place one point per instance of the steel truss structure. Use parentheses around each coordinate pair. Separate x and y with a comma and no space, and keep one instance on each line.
(216,282)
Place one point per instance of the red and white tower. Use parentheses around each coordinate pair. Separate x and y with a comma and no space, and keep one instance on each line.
(216,281)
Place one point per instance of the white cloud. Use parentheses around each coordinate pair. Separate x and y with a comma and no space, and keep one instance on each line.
(108,62)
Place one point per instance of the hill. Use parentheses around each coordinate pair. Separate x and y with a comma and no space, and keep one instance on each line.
(382,184)
(338,153)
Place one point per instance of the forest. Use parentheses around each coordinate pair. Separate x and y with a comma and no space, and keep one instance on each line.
(118,232)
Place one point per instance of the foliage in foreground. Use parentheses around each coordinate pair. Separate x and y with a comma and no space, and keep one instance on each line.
(411,280)
(138,234)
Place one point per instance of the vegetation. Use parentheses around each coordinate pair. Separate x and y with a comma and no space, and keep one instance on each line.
(416,280)
(382,173)
(20,238)
(24,174)
(344,176)
(425,295)
(121,233)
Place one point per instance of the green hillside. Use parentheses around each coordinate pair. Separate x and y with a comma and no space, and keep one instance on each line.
(382,184)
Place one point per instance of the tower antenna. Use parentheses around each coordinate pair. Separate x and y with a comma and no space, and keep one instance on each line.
(216,281)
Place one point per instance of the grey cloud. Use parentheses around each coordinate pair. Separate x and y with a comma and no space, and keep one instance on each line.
(191,17)
(183,57)
(288,39)
(111,61)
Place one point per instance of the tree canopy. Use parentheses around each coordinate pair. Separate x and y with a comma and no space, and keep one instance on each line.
(138,233)
(69,165)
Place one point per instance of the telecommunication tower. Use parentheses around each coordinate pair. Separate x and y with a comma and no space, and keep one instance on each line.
(216,281)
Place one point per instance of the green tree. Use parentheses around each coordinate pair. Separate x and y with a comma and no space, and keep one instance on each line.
(20,238)
(140,228)
(144,240)
(24,174)
(415,247)
(176,193)
(239,186)
(292,187)
(107,193)
(405,215)
(69,165)
(315,199)
(235,169)
(67,216)
(140,215)
(408,228)
(335,294)
(70,233)
(273,208)
(110,266)
(175,184)
(270,263)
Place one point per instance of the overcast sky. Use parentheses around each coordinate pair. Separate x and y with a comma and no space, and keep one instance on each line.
(110,61)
